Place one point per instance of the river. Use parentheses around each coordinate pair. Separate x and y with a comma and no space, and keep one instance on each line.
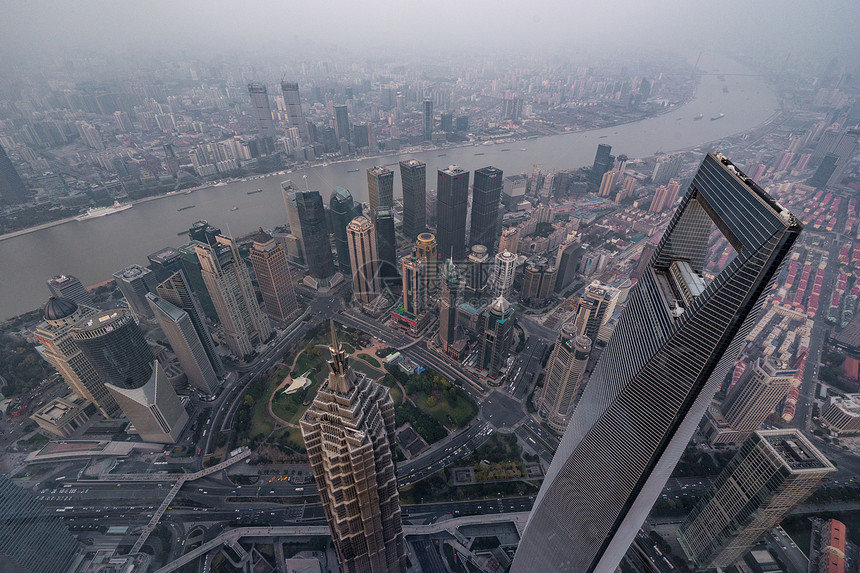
(93,250)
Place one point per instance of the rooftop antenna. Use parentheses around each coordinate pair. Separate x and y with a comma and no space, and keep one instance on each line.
(305,177)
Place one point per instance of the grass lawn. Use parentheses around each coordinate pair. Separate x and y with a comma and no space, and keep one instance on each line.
(309,361)
(396,394)
(291,408)
(370,360)
(461,412)
(290,437)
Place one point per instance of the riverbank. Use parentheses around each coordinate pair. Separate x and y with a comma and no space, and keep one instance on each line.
(392,153)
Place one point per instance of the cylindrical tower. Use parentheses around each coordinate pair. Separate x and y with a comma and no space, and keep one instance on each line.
(114,344)
(564,373)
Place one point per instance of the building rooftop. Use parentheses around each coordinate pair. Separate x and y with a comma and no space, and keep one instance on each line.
(165,255)
(131,272)
(59,308)
(795,450)
(849,404)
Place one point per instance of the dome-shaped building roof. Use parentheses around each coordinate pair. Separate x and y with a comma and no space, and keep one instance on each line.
(59,308)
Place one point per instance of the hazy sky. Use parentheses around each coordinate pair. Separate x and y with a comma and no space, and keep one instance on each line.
(816,29)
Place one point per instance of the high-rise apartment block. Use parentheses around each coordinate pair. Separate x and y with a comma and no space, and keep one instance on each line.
(497,332)
(773,471)
(538,281)
(486,194)
(33,538)
(452,189)
(269,260)
(229,284)
(607,183)
(67,286)
(185,343)
(664,196)
(349,436)
(658,373)
(134,282)
(666,169)
(361,237)
(12,190)
(61,350)
(380,189)
(564,372)
(413,177)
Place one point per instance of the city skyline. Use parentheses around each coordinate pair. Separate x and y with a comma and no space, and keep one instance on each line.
(595,339)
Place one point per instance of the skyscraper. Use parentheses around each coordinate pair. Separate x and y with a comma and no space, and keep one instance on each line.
(269,260)
(164,263)
(341,122)
(33,538)
(293,103)
(773,471)
(177,291)
(262,110)
(486,194)
(193,275)
(361,237)
(595,308)
(314,233)
(349,435)
(413,177)
(67,286)
(414,293)
(603,162)
(452,190)
(750,401)
(666,169)
(12,190)
(386,242)
(425,248)
(607,183)
(229,284)
(114,344)
(153,409)
(380,189)
(204,232)
(669,352)
(63,353)
(563,374)
(503,274)
(343,210)
(428,119)
(185,343)
(538,281)
(134,282)
(450,279)
(295,247)
(497,332)
(479,266)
